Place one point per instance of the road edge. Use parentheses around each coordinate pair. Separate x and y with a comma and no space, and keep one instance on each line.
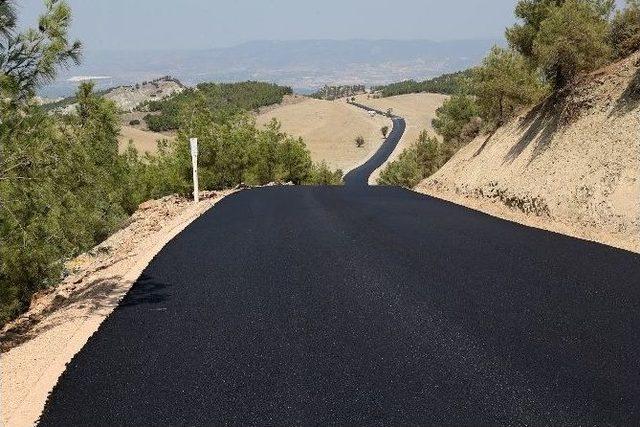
(35,393)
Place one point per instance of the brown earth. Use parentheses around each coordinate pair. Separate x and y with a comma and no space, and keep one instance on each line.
(143,140)
(570,165)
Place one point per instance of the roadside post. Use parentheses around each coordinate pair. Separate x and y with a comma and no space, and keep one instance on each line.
(194,161)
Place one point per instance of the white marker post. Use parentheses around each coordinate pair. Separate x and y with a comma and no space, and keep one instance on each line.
(194,161)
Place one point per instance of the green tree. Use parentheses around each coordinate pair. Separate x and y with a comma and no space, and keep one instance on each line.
(453,116)
(624,33)
(571,40)
(532,13)
(503,83)
(66,191)
(31,58)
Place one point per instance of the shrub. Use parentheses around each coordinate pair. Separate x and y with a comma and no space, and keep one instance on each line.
(320,174)
(404,172)
(385,131)
(416,163)
(360,141)
(134,122)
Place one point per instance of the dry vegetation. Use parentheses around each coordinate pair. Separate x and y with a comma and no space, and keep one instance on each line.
(571,165)
(329,129)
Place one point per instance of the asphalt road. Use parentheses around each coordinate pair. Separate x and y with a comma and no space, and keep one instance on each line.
(364,306)
(360,176)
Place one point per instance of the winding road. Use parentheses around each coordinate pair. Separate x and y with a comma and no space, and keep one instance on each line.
(363,305)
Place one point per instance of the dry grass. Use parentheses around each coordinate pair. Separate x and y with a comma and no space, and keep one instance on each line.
(329,128)
(417,109)
(143,140)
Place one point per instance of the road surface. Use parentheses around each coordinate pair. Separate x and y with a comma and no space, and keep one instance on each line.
(364,306)
(360,176)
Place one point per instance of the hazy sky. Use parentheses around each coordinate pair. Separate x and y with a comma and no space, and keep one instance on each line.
(155,24)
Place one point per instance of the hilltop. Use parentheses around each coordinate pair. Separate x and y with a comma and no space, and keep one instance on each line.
(570,164)
(128,97)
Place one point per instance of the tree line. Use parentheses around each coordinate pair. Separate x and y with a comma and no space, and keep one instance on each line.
(446,84)
(554,42)
(330,93)
(64,184)
(249,95)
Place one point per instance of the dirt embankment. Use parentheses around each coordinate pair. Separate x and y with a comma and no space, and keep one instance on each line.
(570,165)
(37,346)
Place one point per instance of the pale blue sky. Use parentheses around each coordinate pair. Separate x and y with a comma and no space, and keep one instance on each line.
(150,24)
(196,24)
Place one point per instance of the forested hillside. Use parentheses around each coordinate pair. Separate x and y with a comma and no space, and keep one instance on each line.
(446,84)
(217,97)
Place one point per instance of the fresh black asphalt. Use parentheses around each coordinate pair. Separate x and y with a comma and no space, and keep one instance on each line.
(360,176)
(364,305)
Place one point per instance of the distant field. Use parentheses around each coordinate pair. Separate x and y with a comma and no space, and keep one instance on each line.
(329,128)
(418,109)
(143,140)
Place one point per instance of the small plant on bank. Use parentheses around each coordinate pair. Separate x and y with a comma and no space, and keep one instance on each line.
(134,122)
(385,131)
(359,141)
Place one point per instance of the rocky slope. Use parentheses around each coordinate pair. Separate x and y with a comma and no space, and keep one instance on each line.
(127,98)
(571,164)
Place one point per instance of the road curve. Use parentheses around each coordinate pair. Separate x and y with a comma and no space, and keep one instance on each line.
(360,175)
(364,306)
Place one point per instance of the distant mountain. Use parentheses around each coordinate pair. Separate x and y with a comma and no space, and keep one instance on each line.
(305,65)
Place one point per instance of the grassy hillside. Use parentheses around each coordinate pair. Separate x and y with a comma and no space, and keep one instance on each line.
(220,97)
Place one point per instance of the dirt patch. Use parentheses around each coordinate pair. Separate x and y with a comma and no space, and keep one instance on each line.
(144,141)
(570,165)
(38,345)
